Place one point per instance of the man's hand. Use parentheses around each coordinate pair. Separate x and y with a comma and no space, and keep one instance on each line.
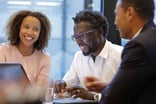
(79,92)
(93,84)
(59,86)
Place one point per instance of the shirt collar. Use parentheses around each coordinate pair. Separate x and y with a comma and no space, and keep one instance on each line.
(104,51)
(137,33)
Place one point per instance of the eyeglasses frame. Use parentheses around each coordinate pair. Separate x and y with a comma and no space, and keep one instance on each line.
(81,35)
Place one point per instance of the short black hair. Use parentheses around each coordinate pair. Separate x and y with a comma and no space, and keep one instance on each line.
(144,8)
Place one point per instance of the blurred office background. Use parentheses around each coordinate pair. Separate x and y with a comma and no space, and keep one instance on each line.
(60,13)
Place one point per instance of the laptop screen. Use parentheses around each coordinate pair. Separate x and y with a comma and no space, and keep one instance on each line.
(15,86)
(11,71)
(12,74)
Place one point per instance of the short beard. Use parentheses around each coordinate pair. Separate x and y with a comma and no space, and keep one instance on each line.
(88,52)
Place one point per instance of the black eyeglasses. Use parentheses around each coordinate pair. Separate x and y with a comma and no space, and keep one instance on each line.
(81,35)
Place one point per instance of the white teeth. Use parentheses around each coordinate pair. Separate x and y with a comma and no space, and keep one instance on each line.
(29,38)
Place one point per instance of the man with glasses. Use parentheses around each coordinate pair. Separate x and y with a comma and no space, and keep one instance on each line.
(98,57)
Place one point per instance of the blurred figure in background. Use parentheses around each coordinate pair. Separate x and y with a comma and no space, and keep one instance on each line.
(28,33)
(98,56)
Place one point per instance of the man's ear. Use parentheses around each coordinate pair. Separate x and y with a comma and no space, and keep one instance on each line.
(130,13)
(100,31)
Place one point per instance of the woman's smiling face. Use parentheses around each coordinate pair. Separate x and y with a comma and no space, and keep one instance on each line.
(29,31)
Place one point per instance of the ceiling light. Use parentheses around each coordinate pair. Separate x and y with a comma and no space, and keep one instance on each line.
(19,2)
(48,3)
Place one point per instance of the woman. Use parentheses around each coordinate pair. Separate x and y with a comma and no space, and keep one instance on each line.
(28,34)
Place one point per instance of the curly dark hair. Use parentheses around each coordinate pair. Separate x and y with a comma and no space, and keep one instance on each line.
(94,18)
(14,24)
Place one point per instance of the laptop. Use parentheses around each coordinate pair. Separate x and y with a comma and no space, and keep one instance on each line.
(12,74)
(12,71)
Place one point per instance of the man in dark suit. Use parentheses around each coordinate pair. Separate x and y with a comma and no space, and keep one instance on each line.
(135,80)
